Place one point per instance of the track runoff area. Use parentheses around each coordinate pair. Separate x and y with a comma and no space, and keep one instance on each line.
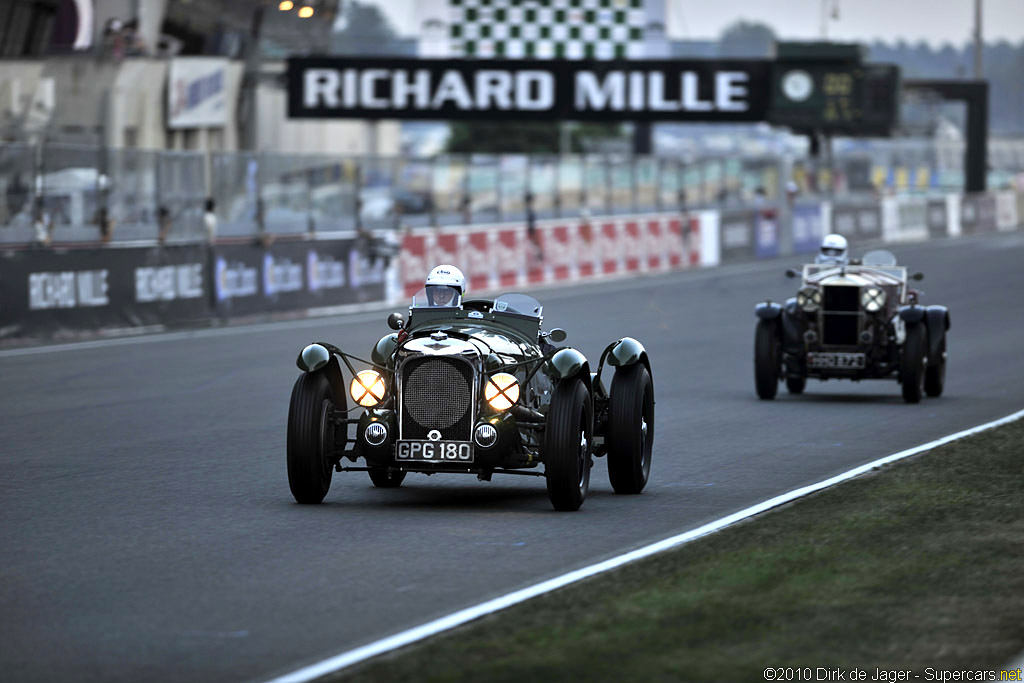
(434,627)
(463,616)
(710,384)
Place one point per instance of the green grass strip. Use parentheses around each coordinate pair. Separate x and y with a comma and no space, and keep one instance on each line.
(918,566)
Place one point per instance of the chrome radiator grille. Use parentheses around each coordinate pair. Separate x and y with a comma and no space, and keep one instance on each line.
(437,393)
(841,298)
(840,315)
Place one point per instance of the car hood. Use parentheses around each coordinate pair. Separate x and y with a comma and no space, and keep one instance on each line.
(855,279)
(484,338)
(440,344)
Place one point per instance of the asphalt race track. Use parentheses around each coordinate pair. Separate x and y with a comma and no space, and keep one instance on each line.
(149,534)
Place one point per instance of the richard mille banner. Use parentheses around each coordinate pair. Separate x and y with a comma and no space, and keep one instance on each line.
(637,90)
(249,279)
(55,292)
(63,292)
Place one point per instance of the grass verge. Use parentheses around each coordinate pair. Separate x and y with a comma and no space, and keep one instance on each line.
(917,566)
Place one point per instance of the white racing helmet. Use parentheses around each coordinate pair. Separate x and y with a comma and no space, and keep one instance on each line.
(443,282)
(833,250)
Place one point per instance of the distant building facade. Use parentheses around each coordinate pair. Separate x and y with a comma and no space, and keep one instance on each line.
(123,73)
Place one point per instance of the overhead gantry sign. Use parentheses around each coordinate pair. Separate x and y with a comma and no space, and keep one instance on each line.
(651,90)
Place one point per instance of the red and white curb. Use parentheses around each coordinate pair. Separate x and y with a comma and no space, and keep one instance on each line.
(432,628)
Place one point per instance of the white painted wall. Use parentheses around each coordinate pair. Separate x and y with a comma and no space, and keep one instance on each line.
(310,136)
(124,102)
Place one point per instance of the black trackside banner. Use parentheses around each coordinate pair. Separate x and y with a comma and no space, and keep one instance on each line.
(55,292)
(936,217)
(635,90)
(856,221)
(977,214)
(737,235)
(249,279)
(50,293)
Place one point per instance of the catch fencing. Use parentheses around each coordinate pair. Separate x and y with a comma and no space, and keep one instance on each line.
(103,195)
(75,291)
(126,244)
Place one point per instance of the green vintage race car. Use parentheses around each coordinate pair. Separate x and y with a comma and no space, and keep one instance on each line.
(472,387)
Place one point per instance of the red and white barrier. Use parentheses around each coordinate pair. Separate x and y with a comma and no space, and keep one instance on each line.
(505,256)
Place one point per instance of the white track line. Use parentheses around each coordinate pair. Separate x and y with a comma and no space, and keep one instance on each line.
(431,628)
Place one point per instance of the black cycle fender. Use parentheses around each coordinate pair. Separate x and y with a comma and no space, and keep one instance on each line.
(768,310)
(912,314)
(937,320)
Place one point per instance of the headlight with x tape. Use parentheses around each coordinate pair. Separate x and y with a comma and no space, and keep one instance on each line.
(367,388)
(502,391)
(809,299)
(872,299)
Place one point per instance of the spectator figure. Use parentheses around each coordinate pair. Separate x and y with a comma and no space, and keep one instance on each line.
(17,196)
(133,45)
(112,42)
(531,226)
(364,243)
(210,220)
(681,200)
(761,204)
(163,222)
(42,226)
(792,190)
(586,229)
(760,197)
(466,206)
(105,224)
(263,237)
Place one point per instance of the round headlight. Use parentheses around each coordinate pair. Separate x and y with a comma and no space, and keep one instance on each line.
(502,391)
(375,433)
(809,299)
(367,388)
(872,299)
(486,435)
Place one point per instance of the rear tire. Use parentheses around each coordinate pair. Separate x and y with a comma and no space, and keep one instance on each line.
(567,445)
(795,383)
(630,435)
(766,360)
(384,478)
(912,362)
(310,438)
(935,375)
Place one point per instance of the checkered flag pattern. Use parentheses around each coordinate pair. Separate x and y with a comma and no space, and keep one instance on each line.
(546,29)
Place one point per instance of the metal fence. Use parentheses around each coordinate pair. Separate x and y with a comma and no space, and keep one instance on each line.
(89,194)
(85,194)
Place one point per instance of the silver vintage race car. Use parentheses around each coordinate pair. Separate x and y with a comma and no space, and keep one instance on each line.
(855,321)
(472,387)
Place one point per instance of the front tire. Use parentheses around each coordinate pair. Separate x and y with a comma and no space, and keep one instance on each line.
(567,445)
(766,360)
(384,478)
(795,384)
(935,375)
(630,436)
(310,438)
(912,362)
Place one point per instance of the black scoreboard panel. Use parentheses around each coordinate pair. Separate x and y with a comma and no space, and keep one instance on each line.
(840,98)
